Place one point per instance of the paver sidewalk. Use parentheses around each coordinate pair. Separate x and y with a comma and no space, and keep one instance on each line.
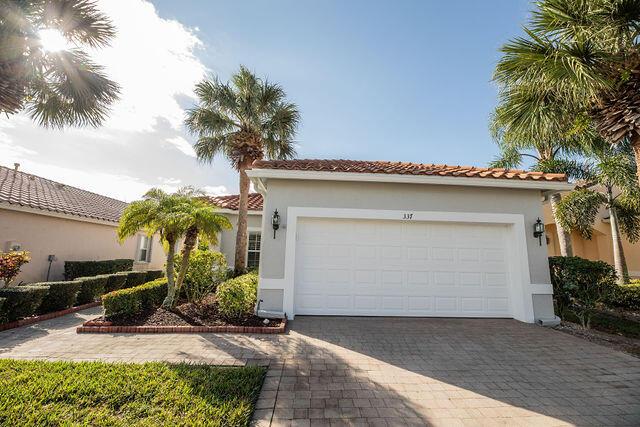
(386,371)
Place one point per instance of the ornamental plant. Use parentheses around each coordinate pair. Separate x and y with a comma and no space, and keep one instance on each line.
(10,264)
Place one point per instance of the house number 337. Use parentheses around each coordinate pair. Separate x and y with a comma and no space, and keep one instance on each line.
(407,216)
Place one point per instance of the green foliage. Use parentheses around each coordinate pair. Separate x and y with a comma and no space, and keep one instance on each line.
(22,301)
(153,275)
(580,284)
(90,288)
(115,281)
(10,264)
(38,393)
(130,301)
(626,296)
(134,278)
(75,269)
(61,295)
(206,270)
(237,297)
(578,210)
(3,311)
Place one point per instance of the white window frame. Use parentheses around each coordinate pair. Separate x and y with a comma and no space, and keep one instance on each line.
(249,250)
(142,239)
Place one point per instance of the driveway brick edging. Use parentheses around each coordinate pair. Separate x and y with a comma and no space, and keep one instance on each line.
(47,316)
(92,326)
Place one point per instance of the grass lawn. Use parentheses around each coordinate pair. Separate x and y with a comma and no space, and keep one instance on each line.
(106,394)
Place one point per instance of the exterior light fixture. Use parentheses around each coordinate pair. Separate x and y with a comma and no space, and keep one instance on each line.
(538,230)
(275,222)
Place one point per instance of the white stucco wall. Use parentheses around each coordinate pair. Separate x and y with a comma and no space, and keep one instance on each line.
(68,240)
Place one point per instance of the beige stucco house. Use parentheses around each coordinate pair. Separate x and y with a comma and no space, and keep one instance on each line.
(403,239)
(56,222)
(600,246)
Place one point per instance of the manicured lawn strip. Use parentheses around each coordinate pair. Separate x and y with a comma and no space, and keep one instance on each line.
(113,394)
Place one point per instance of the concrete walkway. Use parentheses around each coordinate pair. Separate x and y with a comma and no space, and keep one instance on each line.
(386,371)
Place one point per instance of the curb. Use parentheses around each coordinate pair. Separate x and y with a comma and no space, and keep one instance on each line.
(47,316)
(94,327)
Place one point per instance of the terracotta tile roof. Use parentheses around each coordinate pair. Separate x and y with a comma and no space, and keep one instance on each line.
(231,202)
(25,189)
(404,168)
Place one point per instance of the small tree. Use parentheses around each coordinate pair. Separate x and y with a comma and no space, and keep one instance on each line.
(10,264)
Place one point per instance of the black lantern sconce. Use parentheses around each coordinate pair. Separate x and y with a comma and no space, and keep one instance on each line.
(275,222)
(538,230)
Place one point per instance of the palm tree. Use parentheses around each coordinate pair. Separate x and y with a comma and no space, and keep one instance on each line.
(244,120)
(609,183)
(56,87)
(586,52)
(199,220)
(527,126)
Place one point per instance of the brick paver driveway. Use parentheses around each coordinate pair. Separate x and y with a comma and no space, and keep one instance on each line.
(388,371)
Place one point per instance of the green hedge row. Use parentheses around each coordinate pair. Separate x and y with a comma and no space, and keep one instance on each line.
(130,301)
(626,296)
(46,297)
(75,269)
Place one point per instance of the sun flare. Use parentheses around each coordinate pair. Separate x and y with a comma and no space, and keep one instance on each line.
(53,40)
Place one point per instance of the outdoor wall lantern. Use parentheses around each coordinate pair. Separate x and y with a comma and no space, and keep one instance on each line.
(275,222)
(538,230)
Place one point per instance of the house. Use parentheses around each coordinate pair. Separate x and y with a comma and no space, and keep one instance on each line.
(402,239)
(600,247)
(227,240)
(57,223)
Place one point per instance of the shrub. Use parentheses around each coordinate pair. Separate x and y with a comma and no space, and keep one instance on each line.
(626,296)
(75,269)
(91,288)
(3,312)
(10,264)
(130,301)
(237,297)
(153,275)
(134,278)
(22,301)
(114,282)
(206,269)
(580,284)
(61,295)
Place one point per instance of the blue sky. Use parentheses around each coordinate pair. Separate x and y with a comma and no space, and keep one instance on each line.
(374,80)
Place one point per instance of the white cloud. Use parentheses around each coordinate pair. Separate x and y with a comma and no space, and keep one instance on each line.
(218,190)
(183,145)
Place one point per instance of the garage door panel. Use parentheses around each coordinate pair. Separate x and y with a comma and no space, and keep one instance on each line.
(401,268)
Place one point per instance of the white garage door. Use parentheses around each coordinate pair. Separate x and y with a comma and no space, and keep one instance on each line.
(394,268)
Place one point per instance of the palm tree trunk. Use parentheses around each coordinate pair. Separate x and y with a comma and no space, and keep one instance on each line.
(636,152)
(171,288)
(564,238)
(190,240)
(619,261)
(240,262)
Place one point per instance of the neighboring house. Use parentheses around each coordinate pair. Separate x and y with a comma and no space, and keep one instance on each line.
(57,223)
(403,239)
(600,247)
(227,240)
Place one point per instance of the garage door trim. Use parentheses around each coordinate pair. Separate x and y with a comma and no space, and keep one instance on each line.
(522,308)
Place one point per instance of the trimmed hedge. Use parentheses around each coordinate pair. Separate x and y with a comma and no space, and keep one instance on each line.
(153,275)
(3,312)
(626,296)
(114,282)
(91,288)
(22,301)
(76,269)
(237,297)
(61,295)
(130,301)
(134,278)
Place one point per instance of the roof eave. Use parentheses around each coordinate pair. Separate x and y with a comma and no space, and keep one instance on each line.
(528,184)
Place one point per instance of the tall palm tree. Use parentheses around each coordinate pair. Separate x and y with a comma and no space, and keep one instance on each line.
(56,87)
(526,125)
(199,220)
(244,120)
(610,183)
(587,53)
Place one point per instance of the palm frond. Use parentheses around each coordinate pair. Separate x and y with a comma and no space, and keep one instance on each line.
(578,211)
(79,20)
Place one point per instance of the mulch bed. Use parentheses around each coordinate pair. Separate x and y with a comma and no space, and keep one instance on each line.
(617,342)
(186,318)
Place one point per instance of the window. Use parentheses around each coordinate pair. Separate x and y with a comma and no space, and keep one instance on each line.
(144,249)
(253,252)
